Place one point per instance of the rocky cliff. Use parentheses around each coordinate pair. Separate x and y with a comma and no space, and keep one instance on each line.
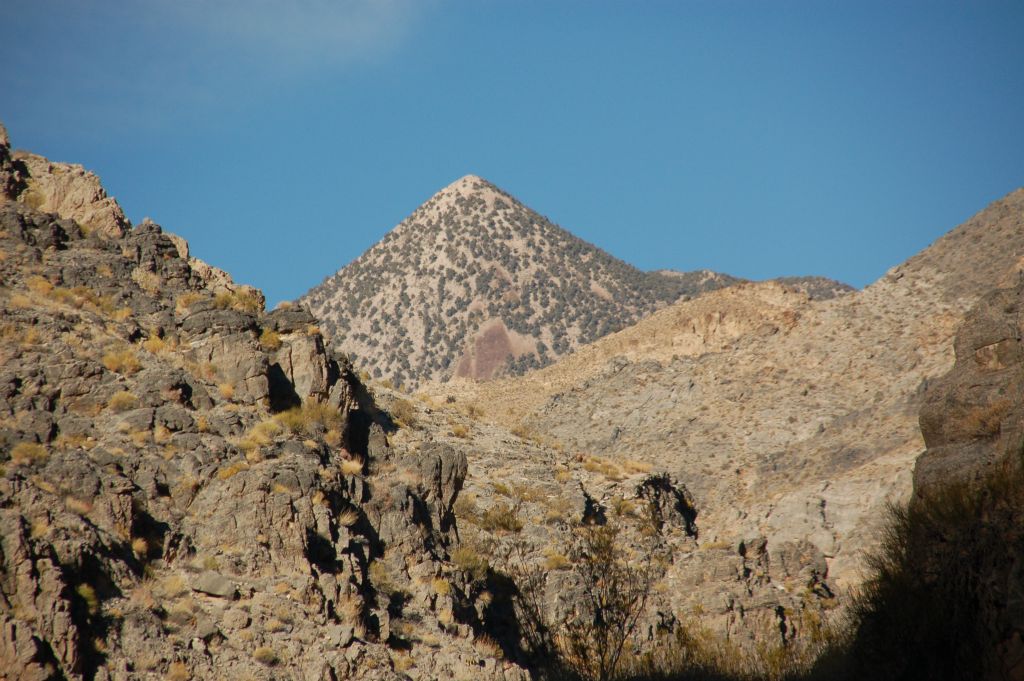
(191,487)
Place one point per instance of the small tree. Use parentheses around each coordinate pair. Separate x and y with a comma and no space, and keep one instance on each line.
(615,588)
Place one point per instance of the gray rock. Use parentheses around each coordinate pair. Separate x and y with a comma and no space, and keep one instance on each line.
(214,584)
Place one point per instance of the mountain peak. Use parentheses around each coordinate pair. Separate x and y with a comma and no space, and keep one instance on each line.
(474,283)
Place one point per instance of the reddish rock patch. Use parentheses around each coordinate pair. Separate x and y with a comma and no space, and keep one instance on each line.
(489,350)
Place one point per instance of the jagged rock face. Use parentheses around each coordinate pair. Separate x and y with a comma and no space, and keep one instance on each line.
(12,173)
(157,519)
(475,284)
(73,192)
(972,418)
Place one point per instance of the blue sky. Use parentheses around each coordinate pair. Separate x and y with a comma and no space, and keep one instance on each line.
(755,138)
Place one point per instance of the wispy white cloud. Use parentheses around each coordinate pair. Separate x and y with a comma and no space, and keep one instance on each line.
(296,31)
(148,62)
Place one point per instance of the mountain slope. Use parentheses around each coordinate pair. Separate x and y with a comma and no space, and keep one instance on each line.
(476,284)
(788,418)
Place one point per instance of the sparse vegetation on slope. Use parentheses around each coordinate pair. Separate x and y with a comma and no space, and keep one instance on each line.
(475,283)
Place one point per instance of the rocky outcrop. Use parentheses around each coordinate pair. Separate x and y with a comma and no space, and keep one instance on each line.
(12,172)
(72,192)
(972,418)
(193,488)
(943,600)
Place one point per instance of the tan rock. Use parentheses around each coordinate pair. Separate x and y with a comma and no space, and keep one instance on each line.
(72,192)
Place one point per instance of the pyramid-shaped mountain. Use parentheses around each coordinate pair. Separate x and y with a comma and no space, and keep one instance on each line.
(476,284)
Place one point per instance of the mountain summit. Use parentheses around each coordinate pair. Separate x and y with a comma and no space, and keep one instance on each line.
(476,284)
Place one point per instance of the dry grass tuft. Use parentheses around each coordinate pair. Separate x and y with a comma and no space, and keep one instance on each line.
(312,418)
(122,401)
(348,517)
(488,647)
(352,466)
(25,453)
(88,595)
(441,586)
(178,671)
(265,655)
(243,300)
(154,344)
(470,561)
(122,361)
(270,340)
(186,300)
(147,281)
(986,421)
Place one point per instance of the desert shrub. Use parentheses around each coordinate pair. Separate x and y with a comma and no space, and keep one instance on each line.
(553,560)
(470,561)
(616,588)
(178,671)
(311,418)
(27,452)
(154,344)
(380,577)
(147,281)
(186,300)
(122,401)
(986,420)
(352,466)
(931,603)
(265,655)
(500,517)
(270,339)
(403,412)
(88,595)
(348,517)
(243,300)
(260,435)
(226,391)
(122,361)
